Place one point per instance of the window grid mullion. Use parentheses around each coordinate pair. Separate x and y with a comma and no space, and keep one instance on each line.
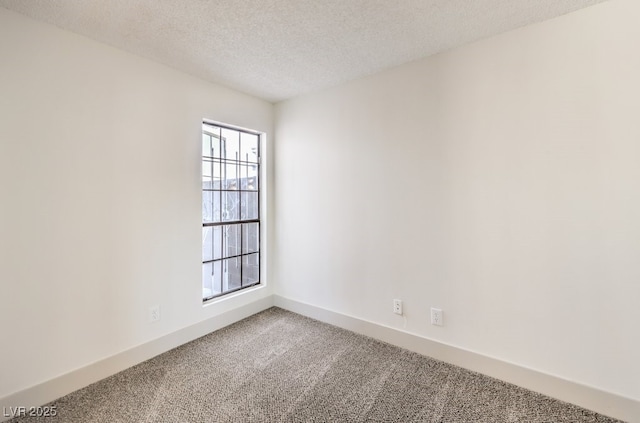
(236,229)
(222,231)
(239,186)
(213,230)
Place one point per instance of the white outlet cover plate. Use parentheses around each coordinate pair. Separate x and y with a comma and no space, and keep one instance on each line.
(154,313)
(436,317)
(397,306)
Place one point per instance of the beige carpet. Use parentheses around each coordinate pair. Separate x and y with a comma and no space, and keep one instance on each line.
(278,366)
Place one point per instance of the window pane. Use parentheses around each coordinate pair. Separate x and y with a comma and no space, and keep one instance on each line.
(248,177)
(249,205)
(231,274)
(207,243)
(230,144)
(211,206)
(211,243)
(250,238)
(250,269)
(207,280)
(217,242)
(210,140)
(232,240)
(253,177)
(207,206)
(249,147)
(215,146)
(211,279)
(207,179)
(217,174)
(229,176)
(217,206)
(230,206)
(252,183)
(206,145)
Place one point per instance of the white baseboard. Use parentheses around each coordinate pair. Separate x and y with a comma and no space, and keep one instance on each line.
(55,388)
(588,397)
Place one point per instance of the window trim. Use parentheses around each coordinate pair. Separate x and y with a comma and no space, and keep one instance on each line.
(218,127)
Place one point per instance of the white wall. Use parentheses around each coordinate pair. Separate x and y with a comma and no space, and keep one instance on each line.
(100,201)
(499,181)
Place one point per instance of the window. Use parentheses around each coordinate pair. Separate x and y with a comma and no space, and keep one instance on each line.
(230,210)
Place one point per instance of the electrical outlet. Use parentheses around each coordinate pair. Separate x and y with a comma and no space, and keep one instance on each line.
(436,317)
(397,307)
(154,313)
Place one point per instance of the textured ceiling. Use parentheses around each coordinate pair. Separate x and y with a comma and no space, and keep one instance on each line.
(278,49)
